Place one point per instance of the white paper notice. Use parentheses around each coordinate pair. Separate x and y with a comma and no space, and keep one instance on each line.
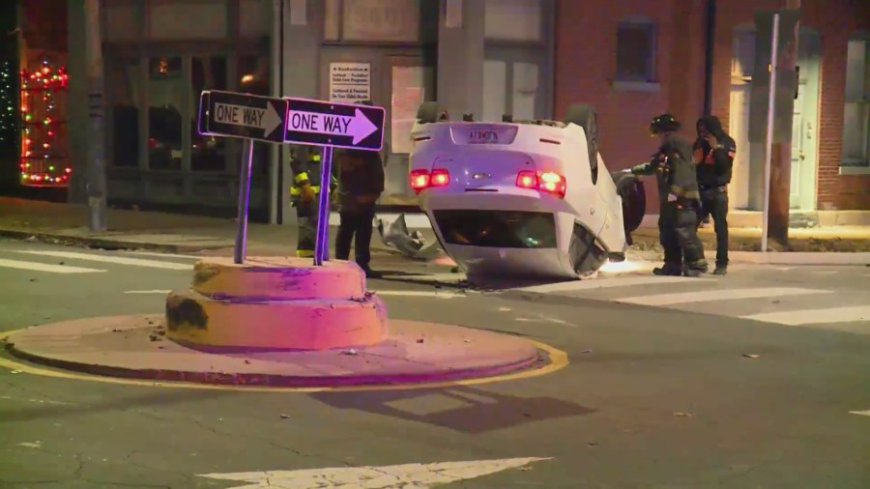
(349,82)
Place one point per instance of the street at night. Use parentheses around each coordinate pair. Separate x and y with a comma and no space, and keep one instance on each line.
(682,395)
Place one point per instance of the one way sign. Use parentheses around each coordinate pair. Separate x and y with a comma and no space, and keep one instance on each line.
(242,115)
(320,123)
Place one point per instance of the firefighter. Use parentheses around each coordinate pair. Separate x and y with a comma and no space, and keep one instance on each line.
(679,199)
(714,155)
(304,195)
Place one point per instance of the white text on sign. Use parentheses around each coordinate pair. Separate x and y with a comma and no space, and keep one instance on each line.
(357,126)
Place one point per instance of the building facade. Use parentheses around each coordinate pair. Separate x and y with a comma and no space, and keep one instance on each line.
(631,59)
(636,58)
(484,57)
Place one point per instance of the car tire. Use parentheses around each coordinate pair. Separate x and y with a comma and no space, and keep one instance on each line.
(633,194)
(584,116)
(429,112)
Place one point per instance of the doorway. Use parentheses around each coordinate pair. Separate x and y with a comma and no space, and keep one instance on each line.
(398,79)
(804,142)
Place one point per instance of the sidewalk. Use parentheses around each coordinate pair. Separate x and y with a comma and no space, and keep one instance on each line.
(174,233)
(154,231)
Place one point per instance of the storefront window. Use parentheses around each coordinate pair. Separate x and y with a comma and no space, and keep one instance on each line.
(166,91)
(409,91)
(207,153)
(124,91)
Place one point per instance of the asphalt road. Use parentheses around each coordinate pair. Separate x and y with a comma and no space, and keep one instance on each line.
(662,394)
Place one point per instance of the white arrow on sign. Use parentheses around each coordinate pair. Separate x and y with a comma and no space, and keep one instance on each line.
(240,115)
(408,476)
(359,126)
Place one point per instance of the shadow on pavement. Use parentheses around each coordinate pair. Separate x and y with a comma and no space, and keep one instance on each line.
(467,410)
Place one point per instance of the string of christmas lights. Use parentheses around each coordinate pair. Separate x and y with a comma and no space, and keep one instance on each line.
(44,160)
(8,115)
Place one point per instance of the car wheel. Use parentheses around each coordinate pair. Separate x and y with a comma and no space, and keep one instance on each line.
(586,256)
(633,194)
(430,112)
(584,116)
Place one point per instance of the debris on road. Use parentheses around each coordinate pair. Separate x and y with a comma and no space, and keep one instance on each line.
(351,352)
(753,356)
(681,414)
(284,416)
(16,371)
(586,351)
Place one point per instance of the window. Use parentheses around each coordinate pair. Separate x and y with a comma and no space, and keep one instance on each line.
(373,20)
(166,91)
(636,52)
(856,116)
(206,152)
(123,91)
(743,59)
(513,20)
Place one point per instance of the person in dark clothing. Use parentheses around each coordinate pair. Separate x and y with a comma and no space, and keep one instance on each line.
(360,184)
(714,157)
(679,199)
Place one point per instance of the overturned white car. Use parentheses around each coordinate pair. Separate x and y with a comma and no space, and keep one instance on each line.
(523,198)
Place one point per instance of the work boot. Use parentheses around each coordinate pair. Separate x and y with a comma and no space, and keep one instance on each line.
(695,269)
(372,273)
(668,270)
(720,270)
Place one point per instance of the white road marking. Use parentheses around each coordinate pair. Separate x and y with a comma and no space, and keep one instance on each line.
(38,401)
(155,291)
(120,260)
(418,293)
(814,316)
(163,255)
(861,413)
(716,295)
(45,267)
(408,476)
(605,283)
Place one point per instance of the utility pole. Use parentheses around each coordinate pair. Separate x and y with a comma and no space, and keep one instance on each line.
(775,84)
(96,151)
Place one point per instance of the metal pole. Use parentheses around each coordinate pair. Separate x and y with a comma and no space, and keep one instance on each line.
(321,248)
(96,161)
(244,201)
(768,144)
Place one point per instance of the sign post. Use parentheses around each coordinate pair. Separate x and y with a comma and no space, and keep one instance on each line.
(331,125)
(249,117)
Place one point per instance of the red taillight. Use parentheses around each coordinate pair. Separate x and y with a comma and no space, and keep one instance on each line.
(419,180)
(549,182)
(439,178)
(423,179)
(527,179)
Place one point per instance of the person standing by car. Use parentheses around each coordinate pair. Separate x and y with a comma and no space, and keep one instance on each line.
(360,185)
(714,156)
(679,199)
(304,193)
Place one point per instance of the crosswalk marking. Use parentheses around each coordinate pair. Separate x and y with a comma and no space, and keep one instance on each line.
(119,260)
(604,283)
(716,295)
(163,255)
(45,267)
(814,316)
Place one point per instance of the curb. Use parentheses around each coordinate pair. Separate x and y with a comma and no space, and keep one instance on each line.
(108,243)
(541,360)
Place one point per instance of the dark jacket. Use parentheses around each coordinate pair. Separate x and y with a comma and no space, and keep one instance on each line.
(360,178)
(674,170)
(714,164)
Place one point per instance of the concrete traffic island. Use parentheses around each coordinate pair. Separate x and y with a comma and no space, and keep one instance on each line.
(276,322)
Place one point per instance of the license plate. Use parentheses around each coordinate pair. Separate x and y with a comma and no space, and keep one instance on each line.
(484,134)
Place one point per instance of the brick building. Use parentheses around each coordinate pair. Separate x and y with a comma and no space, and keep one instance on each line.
(636,58)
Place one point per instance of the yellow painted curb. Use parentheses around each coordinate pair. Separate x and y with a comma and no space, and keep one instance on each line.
(558,360)
(299,324)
